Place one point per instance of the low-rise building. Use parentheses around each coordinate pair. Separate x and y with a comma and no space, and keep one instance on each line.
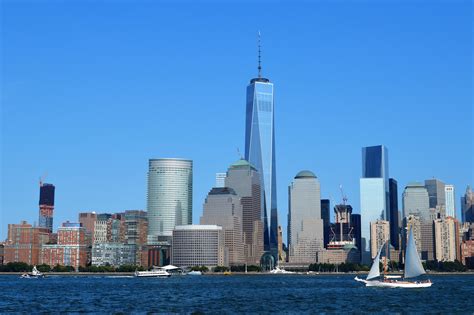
(24,243)
(346,254)
(71,249)
(198,245)
(113,254)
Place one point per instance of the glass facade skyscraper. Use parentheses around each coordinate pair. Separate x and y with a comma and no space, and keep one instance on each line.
(260,152)
(374,192)
(169,198)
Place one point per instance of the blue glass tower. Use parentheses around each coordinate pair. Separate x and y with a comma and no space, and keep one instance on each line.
(260,151)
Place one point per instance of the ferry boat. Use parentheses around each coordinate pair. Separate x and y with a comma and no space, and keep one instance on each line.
(35,273)
(413,268)
(156,272)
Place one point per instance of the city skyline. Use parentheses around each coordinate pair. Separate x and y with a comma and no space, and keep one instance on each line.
(80,178)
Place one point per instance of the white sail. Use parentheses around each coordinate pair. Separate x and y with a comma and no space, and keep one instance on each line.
(375,269)
(413,266)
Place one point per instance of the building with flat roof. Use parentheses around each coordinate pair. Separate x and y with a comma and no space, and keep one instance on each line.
(374,192)
(416,201)
(379,235)
(446,233)
(71,249)
(198,245)
(24,243)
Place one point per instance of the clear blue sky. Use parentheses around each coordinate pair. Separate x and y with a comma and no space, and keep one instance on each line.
(91,90)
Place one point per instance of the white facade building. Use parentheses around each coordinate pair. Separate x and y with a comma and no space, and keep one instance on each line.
(198,245)
(450,201)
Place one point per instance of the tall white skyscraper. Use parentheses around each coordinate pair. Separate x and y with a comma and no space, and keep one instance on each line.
(450,201)
(305,226)
(169,198)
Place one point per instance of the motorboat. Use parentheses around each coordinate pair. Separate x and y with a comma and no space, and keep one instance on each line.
(279,270)
(413,268)
(194,273)
(156,272)
(35,273)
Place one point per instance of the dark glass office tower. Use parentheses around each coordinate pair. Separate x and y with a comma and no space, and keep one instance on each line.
(394,225)
(260,152)
(46,206)
(356,225)
(325,215)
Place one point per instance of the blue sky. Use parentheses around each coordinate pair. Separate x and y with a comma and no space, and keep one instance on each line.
(91,90)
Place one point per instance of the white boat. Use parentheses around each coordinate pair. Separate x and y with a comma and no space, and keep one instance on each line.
(154,273)
(194,273)
(413,268)
(35,273)
(280,271)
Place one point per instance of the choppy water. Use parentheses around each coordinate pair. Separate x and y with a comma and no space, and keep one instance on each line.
(230,294)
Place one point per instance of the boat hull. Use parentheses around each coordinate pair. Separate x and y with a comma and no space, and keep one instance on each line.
(395,284)
(151,274)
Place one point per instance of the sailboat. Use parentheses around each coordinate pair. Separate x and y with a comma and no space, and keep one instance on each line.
(413,268)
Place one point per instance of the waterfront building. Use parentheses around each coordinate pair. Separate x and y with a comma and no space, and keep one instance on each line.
(2,253)
(416,201)
(446,239)
(243,178)
(467,205)
(325,216)
(374,192)
(281,250)
(223,207)
(412,222)
(198,245)
(87,220)
(304,216)
(220,180)
(113,254)
(169,197)
(379,234)
(467,253)
(136,231)
(70,250)
(46,206)
(24,243)
(100,228)
(436,192)
(427,240)
(393,219)
(347,254)
(260,152)
(450,200)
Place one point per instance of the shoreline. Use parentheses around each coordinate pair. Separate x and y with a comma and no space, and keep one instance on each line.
(85,274)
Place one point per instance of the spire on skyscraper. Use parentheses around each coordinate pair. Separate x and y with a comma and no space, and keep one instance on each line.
(259,57)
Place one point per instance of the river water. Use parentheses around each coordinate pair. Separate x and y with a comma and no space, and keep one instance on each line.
(231,294)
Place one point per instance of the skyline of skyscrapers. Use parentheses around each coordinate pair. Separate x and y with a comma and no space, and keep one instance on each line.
(169,197)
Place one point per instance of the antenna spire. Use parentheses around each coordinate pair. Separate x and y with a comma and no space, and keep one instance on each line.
(259,57)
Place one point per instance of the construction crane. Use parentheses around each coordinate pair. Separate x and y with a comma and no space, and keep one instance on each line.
(344,197)
(42,178)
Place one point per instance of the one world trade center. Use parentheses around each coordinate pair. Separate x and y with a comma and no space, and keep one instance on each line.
(260,151)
